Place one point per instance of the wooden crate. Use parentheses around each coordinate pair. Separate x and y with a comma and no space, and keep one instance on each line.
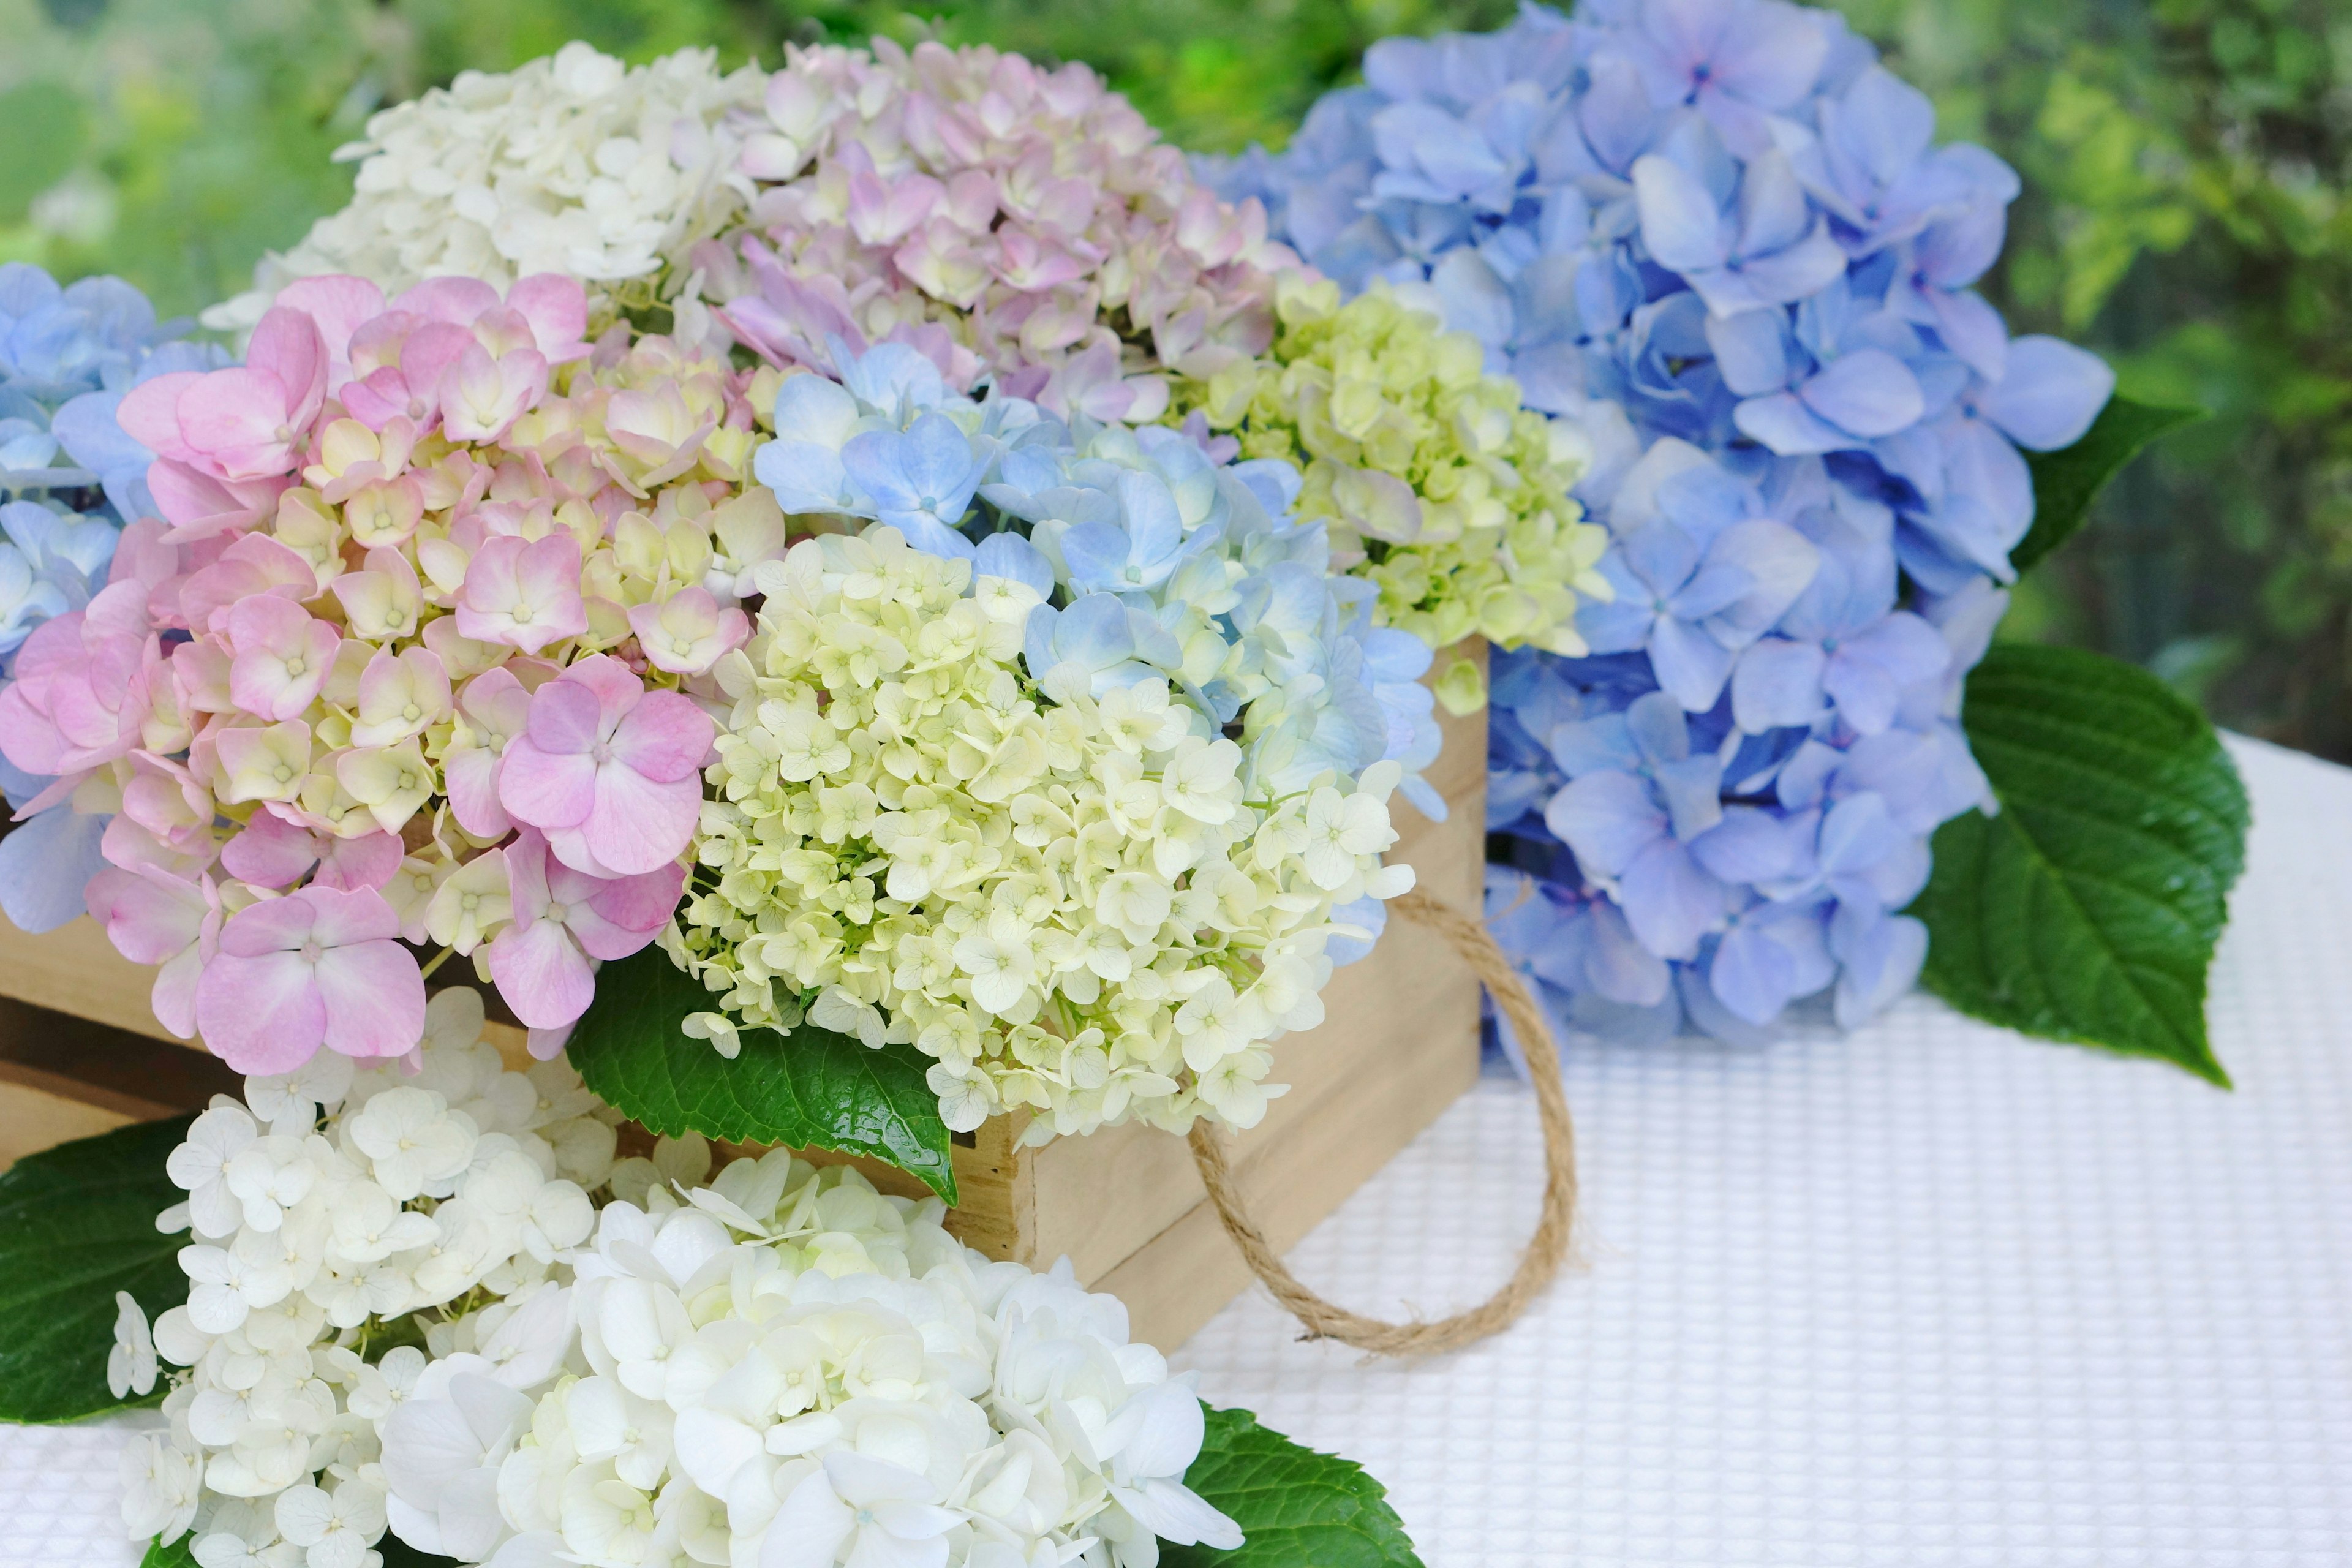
(1398,1044)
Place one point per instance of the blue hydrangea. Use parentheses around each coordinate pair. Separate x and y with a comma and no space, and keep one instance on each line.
(1720,234)
(69,479)
(1144,556)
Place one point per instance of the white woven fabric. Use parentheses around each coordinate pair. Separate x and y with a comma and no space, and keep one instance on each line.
(1930,1296)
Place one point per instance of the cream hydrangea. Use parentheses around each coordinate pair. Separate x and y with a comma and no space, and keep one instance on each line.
(574,163)
(788,1367)
(1069,896)
(333,1212)
(1439,487)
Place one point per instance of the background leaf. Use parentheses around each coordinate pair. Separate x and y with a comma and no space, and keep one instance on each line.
(77,1224)
(2088,909)
(2065,483)
(45,129)
(179,1554)
(1296,1507)
(810,1089)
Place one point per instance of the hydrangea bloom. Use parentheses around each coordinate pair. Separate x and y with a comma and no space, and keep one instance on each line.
(1004,219)
(575,164)
(69,479)
(383,627)
(790,1367)
(1072,806)
(1436,485)
(330,1212)
(1720,234)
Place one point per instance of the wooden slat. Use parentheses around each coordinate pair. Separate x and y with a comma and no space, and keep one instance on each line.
(63,1077)
(75,970)
(33,1118)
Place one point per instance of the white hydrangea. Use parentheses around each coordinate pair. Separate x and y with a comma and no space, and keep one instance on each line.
(790,1370)
(573,163)
(332,1212)
(1076,902)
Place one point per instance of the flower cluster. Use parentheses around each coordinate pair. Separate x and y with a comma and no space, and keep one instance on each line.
(1004,219)
(400,661)
(1072,807)
(69,479)
(405,1311)
(1718,234)
(574,164)
(340,1222)
(791,1368)
(1437,486)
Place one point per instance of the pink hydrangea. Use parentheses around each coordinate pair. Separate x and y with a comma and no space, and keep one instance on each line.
(155,917)
(996,216)
(610,772)
(431,572)
(318,967)
(523,593)
(81,688)
(564,919)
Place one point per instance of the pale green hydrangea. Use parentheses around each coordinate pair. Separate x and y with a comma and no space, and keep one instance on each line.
(1438,486)
(1070,899)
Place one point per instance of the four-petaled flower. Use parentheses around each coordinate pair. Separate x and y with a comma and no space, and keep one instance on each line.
(610,772)
(318,967)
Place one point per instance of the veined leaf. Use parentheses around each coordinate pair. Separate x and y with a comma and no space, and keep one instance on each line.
(1296,1507)
(77,1225)
(810,1089)
(2089,908)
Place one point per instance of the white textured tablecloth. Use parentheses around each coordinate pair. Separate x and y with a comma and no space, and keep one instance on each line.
(1926,1295)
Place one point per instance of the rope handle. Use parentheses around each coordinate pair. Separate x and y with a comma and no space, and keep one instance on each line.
(1546,1250)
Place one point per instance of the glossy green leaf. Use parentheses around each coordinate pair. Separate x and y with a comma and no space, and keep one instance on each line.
(810,1089)
(1296,1507)
(2066,482)
(77,1224)
(179,1554)
(2088,909)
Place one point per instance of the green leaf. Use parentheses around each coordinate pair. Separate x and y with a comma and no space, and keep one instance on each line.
(810,1089)
(77,1224)
(2066,482)
(2088,909)
(43,127)
(1296,1507)
(179,1554)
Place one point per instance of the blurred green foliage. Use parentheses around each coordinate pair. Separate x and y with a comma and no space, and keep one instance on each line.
(2186,164)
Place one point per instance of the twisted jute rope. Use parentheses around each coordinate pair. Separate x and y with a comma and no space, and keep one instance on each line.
(1546,1250)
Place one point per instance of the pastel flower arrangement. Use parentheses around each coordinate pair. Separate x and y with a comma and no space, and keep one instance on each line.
(1719,235)
(1076,806)
(433,1303)
(432,643)
(401,660)
(69,479)
(1439,487)
(1026,232)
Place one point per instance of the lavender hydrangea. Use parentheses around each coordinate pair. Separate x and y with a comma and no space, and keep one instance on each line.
(69,479)
(1719,234)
